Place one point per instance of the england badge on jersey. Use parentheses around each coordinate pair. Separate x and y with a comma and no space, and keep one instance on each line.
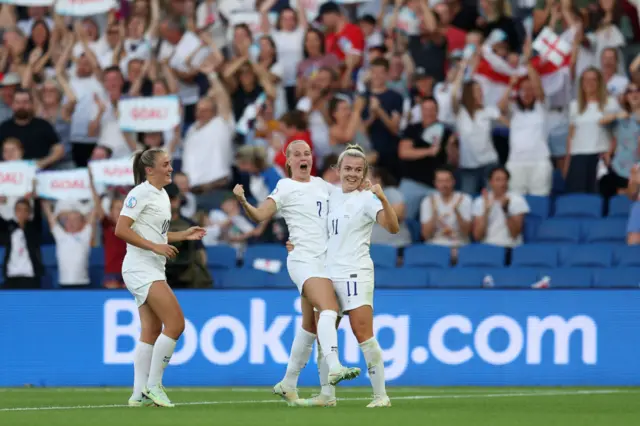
(131,202)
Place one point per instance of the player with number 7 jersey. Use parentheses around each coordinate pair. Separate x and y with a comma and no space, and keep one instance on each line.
(302,201)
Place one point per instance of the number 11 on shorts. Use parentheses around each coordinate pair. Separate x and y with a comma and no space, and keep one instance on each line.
(352,285)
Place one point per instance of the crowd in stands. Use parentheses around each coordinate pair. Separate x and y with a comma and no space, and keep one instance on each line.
(472,114)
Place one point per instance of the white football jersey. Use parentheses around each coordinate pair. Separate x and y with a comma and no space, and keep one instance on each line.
(150,209)
(304,207)
(351,220)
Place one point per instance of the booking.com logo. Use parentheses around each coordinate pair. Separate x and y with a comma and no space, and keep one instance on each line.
(257,337)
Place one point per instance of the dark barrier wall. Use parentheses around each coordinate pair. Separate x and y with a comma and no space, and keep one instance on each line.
(242,338)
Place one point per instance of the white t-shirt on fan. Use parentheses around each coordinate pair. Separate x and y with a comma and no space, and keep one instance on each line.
(447,218)
(72,253)
(497,229)
(290,51)
(476,144)
(590,137)
(304,207)
(528,134)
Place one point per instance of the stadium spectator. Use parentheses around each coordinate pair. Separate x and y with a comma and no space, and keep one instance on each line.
(498,215)
(529,162)
(208,153)
(73,241)
(445,216)
(588,140)
(346,125)
(343,38)
(626,130)
(38,138)
(423,148)
(294,127)
(21,236)
(610,67)
(11,151)
(189,203)
(473,124)
(315,58)
(8,86)
(263,176)
(188,269)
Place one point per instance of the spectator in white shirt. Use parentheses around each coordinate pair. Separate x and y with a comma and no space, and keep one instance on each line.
(73,243)
(208,146)
(529,160)
(35,13)
(288,36)
(474,123)
(498,215)
(445,216)
(609,66)
(588,140)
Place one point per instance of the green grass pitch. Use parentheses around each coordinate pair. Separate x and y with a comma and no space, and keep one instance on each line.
(459,406)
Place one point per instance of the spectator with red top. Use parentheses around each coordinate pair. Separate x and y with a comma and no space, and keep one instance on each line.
(294,127)
(342,37)
(114,247)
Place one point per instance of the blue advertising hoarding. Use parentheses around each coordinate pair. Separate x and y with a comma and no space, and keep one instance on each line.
(242,338)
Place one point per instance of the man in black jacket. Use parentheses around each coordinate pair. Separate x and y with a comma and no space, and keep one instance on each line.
(22,267)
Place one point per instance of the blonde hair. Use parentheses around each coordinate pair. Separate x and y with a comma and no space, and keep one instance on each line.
(287,153)
(356,151)
(601,94)
(257,155)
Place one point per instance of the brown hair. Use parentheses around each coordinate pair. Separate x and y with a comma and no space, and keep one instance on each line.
(468,100)
(295,119)
(142,160)
(602,91)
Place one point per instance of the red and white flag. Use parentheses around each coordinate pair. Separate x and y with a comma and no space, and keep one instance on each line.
(552,47)
(494,73)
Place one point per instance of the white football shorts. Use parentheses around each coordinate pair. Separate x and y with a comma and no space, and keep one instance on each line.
(301,270)
(353,294)
(139,282)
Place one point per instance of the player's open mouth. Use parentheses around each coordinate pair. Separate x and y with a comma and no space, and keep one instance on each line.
(304,167)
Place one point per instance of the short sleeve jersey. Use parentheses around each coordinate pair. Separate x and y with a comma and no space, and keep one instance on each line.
(304,207)
(351,219)
(150,209)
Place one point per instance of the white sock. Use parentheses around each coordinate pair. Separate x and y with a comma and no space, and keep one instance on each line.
(323,372)
(162,352)
(375,365)
(300,352)
(141,365)
(328,337)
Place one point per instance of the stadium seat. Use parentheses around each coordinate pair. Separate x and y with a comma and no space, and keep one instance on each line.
(531,224)
(281,280)
(626,256)
(568,277)
(96,267)
(407,277)
(481,255)
(535,255)
(617,278)
(558,231)
(221,257)
(265,251)
(384,256)
(427,255)
(579,206)
(513,277)
(539,207)
(587,256)
(244,278)
(456,278)
(619,206)
(414,229)
(49,255)
(610,230)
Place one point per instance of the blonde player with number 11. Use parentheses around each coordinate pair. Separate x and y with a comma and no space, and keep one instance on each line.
(352,214)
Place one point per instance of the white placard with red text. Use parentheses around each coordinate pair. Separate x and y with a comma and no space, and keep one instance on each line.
(149,114)
(113,171)
(310,7)
(64,185)
(84,7)
(16,177)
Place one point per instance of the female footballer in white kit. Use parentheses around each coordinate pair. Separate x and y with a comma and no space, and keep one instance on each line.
(144,225)
(352,215)
(302,201)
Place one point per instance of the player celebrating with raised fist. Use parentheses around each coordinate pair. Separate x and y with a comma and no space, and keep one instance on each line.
(302,201)
(352,214)
(144,225)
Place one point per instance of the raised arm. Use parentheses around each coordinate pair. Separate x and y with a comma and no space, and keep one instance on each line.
(387,218)
(265,211)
